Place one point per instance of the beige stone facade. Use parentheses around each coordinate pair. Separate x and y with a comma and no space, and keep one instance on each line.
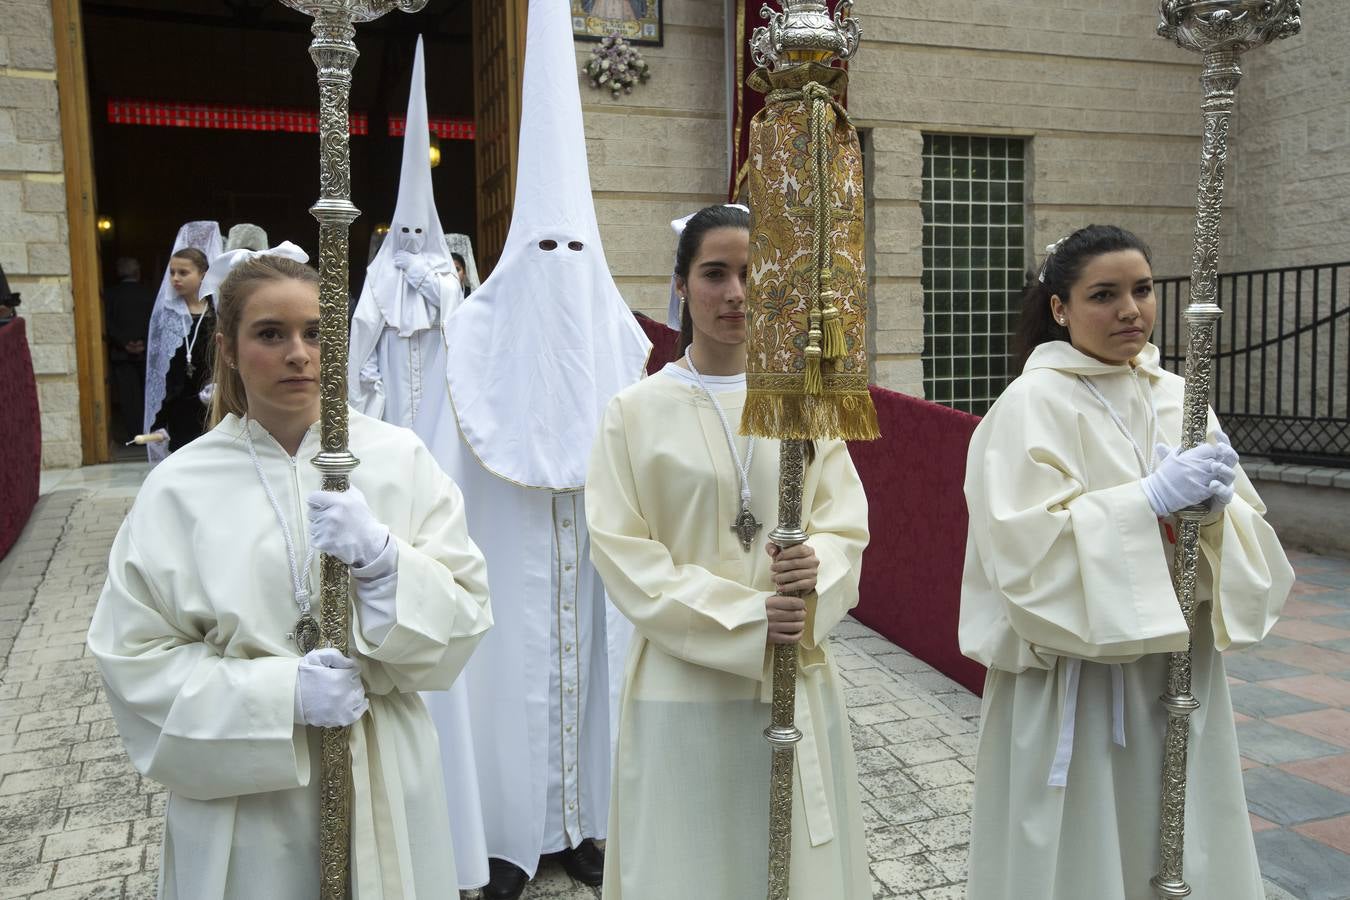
(1292,162)
(34,247)
(1110,114)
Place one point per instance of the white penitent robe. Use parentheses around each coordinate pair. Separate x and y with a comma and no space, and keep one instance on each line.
(1067,580)
(543,688)
(396,371)
(192,637)
(689,814)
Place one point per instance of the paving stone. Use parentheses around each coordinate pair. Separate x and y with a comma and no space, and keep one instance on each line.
(86,840)
(99,866)
(1289,800)
(1306,868)
(26,880)
(1264,702)
(912,873)
(1271,744)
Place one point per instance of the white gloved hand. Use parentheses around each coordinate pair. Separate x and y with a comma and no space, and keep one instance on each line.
(414,266)
(206,393)
(1190,477)
(328,690)
(342,525)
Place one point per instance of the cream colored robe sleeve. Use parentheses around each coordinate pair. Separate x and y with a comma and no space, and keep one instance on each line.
(693,613)
(1251,576)
(685,609)
(441,604)
(203,725)
(837,524)
(1081,572)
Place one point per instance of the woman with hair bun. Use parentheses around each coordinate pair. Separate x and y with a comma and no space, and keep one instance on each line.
(670,488)
(1073,482)
(206,633)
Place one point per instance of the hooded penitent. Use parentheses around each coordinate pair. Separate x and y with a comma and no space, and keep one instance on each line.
(538,350)
(170,323)
(415,230)
(534,355)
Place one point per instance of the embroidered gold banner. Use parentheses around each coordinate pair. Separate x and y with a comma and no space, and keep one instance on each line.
(807,306)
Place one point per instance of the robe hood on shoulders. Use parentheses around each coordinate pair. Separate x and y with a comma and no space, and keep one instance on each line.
(1061,356)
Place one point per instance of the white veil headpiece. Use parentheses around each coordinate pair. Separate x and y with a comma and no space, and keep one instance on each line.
(170,323)
(677,226)
(537,352)
(460,243)
(245,236)
(415,227)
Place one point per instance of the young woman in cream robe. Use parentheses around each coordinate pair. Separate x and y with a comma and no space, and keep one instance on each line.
(689,807)
(193,631)
(1068,599)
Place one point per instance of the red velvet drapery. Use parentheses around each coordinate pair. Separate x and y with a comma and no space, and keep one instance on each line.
(20,433)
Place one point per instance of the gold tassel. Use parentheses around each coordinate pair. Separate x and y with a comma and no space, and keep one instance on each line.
(813,385)
(833,343)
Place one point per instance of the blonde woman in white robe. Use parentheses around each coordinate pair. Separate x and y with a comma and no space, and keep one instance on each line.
(689,806)
(1072,482)
(201,638)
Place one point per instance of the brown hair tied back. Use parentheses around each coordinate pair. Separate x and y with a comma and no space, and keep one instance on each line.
(1057,275)
(243,280)
(194,256)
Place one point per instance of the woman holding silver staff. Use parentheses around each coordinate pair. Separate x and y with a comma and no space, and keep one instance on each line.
(672,499)
(206,635)
(1072,482)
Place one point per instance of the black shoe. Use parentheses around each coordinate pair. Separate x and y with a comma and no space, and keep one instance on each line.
(584,862)
(505,881)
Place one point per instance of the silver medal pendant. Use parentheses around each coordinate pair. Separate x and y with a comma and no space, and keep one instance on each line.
(306,633)
(746,527)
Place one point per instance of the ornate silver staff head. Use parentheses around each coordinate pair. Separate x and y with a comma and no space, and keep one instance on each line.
(1228,25)
(354,10)
(804,32)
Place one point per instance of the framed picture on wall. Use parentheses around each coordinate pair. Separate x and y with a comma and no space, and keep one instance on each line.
(638,21)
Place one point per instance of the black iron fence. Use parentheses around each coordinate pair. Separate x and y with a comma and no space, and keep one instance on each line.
(1281,374)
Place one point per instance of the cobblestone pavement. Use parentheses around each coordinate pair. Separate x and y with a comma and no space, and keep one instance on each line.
(77,822)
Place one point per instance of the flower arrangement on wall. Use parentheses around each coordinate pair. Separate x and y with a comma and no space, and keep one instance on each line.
(615,66)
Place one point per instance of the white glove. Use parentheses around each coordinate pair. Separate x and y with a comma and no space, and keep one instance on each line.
(328,690)
(415,267)
(342,525)
(206,393)
(1191,477)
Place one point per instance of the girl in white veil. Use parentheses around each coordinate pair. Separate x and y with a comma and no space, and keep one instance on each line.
(171,326)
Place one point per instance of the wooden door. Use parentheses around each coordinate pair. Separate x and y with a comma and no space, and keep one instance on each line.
(85,280)
(499,66)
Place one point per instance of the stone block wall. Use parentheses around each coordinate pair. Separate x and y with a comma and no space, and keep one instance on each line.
(1292,159)
(34,244)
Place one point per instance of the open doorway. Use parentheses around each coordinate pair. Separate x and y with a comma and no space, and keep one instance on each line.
(210,113)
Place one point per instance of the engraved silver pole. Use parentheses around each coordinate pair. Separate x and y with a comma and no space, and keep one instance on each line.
(333,50)
(1220,30)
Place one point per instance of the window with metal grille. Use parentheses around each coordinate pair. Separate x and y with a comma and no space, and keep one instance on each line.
(974,257)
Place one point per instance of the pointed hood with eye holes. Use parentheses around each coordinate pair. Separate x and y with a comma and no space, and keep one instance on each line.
(415,227)
(539,349)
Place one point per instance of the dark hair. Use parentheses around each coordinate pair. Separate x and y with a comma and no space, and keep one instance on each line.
(710,218)
(459,259)
(194,256)
(1057,275)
